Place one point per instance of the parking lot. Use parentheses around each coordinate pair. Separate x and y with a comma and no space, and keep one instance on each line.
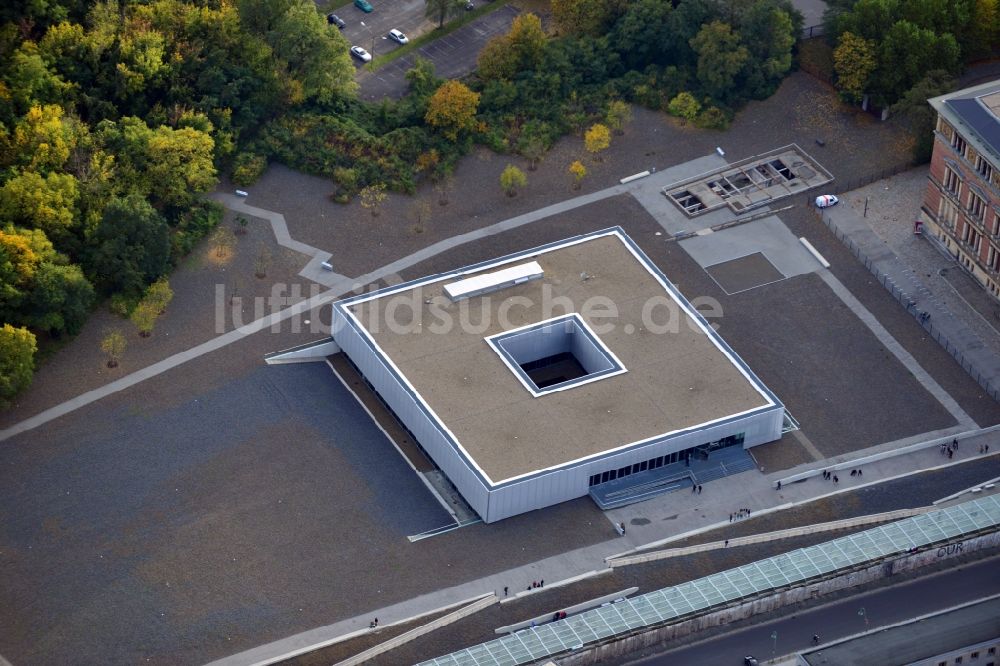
(453,55)
(405,15)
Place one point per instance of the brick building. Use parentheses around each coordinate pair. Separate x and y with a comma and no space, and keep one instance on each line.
(961,209)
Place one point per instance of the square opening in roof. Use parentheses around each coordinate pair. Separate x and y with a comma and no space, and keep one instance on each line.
(555,354)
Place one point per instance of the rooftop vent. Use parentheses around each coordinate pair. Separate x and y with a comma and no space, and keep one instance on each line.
(490,282)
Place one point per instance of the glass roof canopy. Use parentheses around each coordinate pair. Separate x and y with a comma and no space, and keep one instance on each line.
(697,596)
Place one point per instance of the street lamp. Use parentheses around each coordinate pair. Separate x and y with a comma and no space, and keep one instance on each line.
(372,52)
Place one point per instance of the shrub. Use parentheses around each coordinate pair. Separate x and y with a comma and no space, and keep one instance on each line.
(248,168)
(713,118)
(685,106)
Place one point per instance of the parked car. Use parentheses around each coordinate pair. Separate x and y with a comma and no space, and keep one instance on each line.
(361,54)
(397,36)
(364,6)
(826,200)
(333,19)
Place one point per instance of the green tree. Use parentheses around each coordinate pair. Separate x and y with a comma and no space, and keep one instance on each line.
(31,82)
(452,109)
(589,18)
(144,317)
(511,179)
(130,247)
(854,62)
(17,361)
(532,147)
(685,106)
(522,48)
(646,34)
(159,294)
(113,345)
(597,139)
(60,299)
(721,57)
(315,54)
(443,9)
(619,114)
(907,53)
(768,33)
(919,116)
(180,164)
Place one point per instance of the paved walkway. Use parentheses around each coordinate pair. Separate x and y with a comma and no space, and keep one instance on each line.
(977,359)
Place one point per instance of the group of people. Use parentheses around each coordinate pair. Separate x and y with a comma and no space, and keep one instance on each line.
(949,449)
(742,513)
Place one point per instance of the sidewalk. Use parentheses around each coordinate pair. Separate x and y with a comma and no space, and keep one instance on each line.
(649,524)
(967,348)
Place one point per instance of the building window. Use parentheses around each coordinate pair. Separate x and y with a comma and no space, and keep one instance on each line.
(993,260)
(971,237)
(948,213)
(952,182)
(958,660)
(977,206)
(991,651)
(995,229)
(958,143)
(974,655)
(984,168)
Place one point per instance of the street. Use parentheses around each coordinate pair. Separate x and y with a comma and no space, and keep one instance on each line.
(842,618)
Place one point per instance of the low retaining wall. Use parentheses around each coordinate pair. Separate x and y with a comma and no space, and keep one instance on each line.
(742,611)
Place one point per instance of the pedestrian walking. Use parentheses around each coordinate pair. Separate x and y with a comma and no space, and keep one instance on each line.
(541,583)
(779,485)
(859,472)
(954,443)
(623,528)
(727,543)
(699,489)
(852,472)
(835,479)
(815,639)
(951,454)
(505,590)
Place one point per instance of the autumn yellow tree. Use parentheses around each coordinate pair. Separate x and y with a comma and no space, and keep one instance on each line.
(511,179)
(372,198)
(579,172)
(452,109)
(596,139)
(854,61)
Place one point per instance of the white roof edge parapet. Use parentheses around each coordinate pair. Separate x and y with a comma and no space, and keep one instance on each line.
(487,282)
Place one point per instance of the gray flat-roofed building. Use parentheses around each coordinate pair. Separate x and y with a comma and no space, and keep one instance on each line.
(966,635)
(525,396)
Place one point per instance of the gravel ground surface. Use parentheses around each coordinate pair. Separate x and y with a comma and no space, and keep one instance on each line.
(893,205)
(222,505)
(917,491)
(189,320)
(802,221)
